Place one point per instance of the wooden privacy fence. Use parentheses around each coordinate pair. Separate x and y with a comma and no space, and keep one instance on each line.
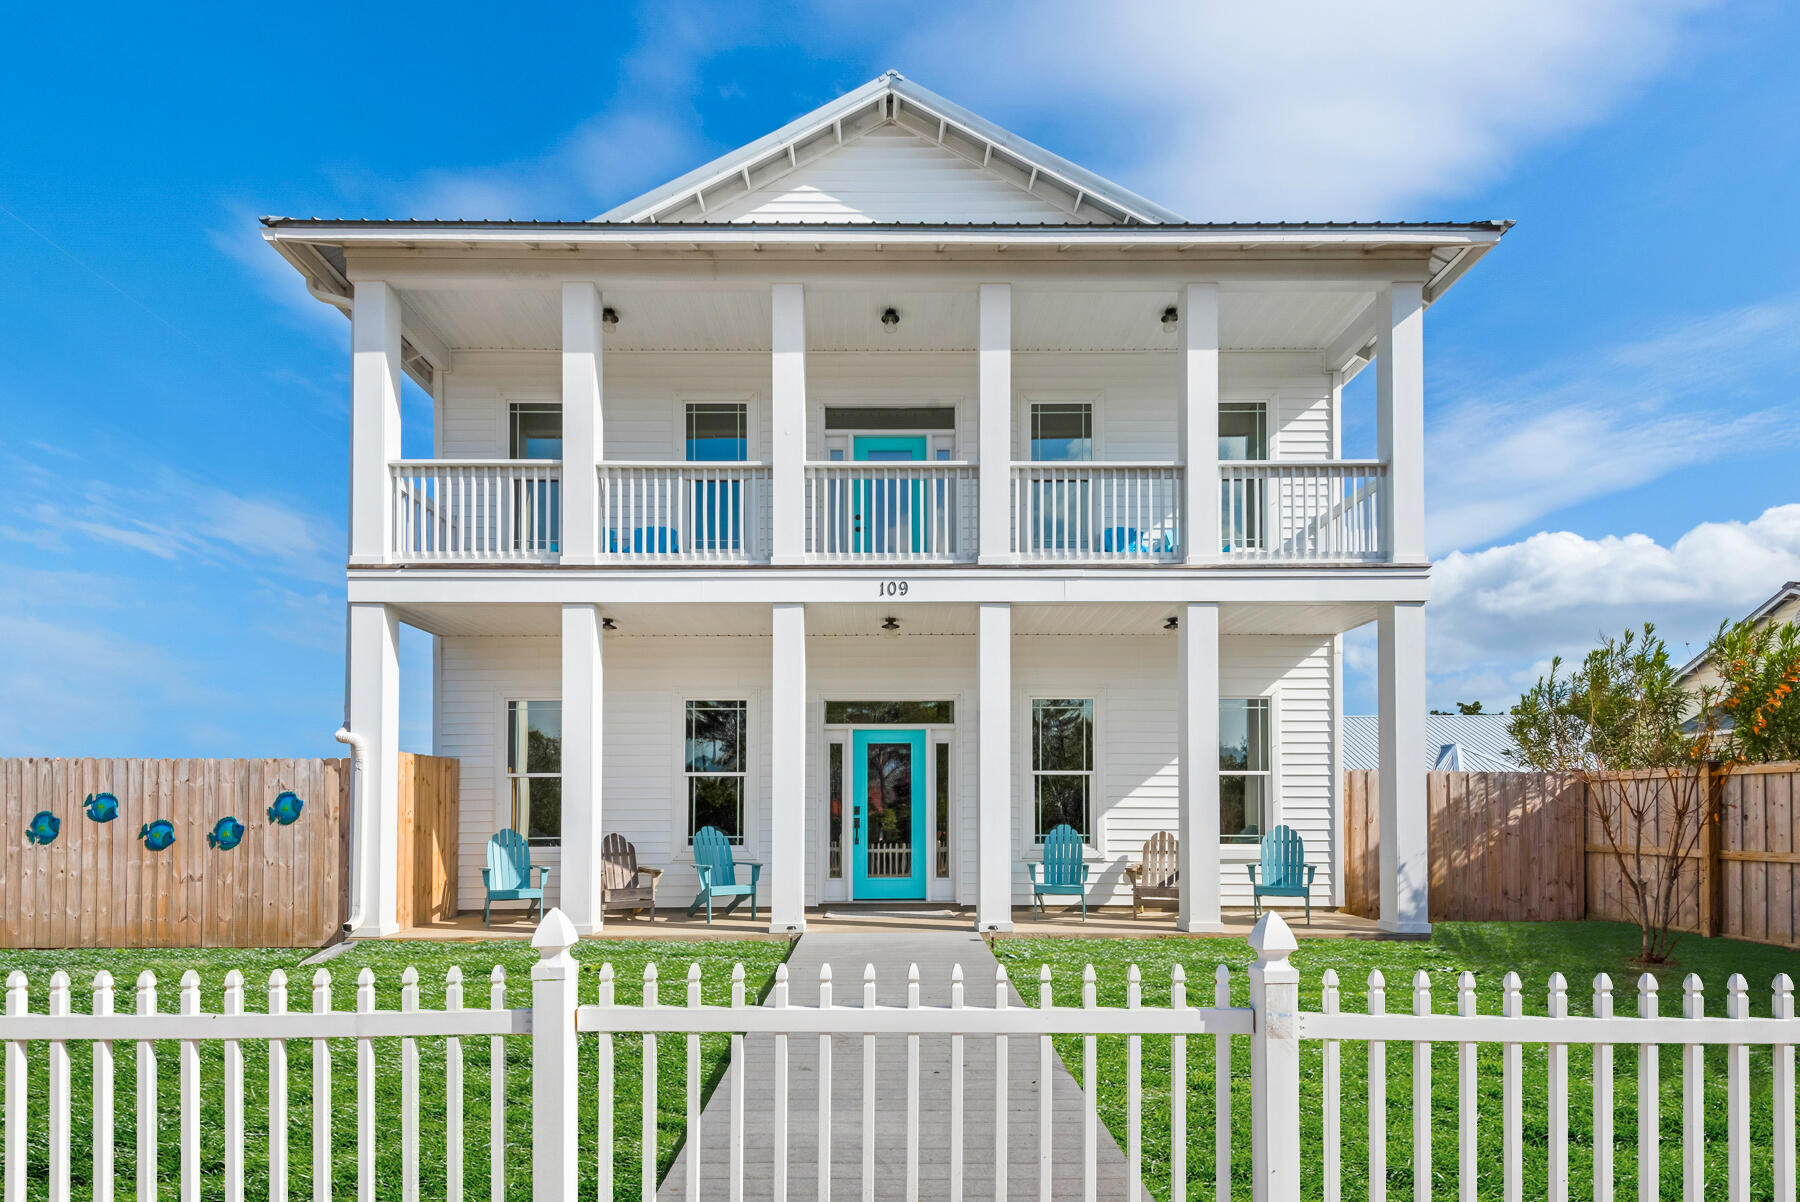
(1525,846)
(187,853)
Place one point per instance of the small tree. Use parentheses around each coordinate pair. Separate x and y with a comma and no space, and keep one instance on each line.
(1759,670)
(1622,724)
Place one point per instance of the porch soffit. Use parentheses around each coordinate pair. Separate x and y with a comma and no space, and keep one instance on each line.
(718,620)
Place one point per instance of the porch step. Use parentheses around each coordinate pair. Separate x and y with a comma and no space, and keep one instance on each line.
(935,953)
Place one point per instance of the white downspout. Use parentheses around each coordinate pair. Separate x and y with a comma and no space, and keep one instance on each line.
(359,843)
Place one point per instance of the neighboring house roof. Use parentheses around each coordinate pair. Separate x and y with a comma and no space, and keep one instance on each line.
(1057,189)
(1453,743)
(1784,606)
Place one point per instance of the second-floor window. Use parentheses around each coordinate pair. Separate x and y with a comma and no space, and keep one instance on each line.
(1062,432)
(534,431)
(1243,430)
(1243,434)
(718,432)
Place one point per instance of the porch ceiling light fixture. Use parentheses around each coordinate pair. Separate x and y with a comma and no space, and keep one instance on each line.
(890,625)
(607,624)
(1174,623)
(1171,317)
(609,317)
(890,317)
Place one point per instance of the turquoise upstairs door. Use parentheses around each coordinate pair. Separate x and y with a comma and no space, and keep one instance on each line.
(884,514)
(887,794)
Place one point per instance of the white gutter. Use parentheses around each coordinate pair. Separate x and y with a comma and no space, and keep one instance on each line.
(359,842)
(330,298)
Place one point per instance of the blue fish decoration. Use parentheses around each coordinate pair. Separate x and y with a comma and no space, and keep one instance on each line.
(287,807)
(102,807)
(157,835)
(43,828)
(226,833)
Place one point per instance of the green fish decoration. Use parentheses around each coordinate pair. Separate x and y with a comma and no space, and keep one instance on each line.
(157,835)
(102,807)
(226,834)
(287,807)
(43,828)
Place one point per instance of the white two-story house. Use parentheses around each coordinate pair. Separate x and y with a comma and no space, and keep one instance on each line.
(885,494)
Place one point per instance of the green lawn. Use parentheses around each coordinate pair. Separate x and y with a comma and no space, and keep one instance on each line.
(1489,950)
(388,961)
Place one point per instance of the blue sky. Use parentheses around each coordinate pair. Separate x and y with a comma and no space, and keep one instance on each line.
(1612,393)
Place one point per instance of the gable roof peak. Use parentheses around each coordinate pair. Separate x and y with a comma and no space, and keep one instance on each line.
(1070,192)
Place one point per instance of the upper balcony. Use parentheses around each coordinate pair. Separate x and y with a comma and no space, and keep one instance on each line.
(728,425)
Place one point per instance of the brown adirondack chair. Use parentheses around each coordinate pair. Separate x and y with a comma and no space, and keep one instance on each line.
(1157,876)
(624,883)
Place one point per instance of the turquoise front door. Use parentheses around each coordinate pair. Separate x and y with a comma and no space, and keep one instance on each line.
(887,817)
(885,514)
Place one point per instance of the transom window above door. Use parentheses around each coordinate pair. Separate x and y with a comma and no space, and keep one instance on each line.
(890,432)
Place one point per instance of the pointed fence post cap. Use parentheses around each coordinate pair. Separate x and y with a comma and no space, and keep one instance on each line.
(1271,939)
(555,934)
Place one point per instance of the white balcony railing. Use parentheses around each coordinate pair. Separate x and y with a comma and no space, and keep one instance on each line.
(479,510)
(684,512)
(891,512)
(1297,512)
(1111,512)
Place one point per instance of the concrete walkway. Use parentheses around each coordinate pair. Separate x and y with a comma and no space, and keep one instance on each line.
(935,953)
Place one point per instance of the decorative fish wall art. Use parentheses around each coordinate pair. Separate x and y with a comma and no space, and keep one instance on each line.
(102,807)
(43,828)
(287,807)
(226,834)
(157,835)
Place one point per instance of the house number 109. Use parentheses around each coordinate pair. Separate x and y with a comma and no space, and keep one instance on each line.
(891,588)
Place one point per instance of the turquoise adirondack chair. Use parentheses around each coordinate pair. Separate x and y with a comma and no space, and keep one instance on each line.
(1062,871)
(1284,868)
(507,876)
(719,875)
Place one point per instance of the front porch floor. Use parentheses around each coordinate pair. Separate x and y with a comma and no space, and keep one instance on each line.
(851,918)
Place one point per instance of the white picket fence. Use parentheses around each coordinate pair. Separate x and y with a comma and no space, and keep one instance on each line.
(556,1025)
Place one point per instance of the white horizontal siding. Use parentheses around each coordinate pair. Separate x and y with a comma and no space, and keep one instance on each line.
(648,679)
(890,174)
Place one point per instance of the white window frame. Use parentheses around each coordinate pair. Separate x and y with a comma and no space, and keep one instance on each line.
(1093,841)
(747,824)
(936,441)
(1269,402)
(752,431)
(507,775)
(1096,403)
(1272,800)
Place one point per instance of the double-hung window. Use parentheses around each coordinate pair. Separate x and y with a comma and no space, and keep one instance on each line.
(717,432)
(715,766)
(1243,434)
(535,432)
(1061,432)
(1062,764)
(534,768)
(1244,773)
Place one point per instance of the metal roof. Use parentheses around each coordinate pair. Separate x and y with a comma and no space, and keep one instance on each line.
(865,227)
(1453,743)
(1785,593)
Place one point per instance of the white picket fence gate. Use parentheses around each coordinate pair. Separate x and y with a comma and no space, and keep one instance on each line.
(556,1023)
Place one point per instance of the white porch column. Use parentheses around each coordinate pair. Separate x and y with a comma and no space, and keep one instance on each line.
(1197,753)
(993,895)
(787,441)
(1197,423)
(582,702)
(374,417)
(372,712)
(994,449)
(787,770)
(1405,879)
(1400,416)
(583,427)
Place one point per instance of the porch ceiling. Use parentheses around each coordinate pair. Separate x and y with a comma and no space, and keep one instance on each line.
(736,318)
(864,620)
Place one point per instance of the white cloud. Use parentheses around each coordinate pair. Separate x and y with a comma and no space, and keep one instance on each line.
(1308,108)
(1498,616)
(1609,420)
